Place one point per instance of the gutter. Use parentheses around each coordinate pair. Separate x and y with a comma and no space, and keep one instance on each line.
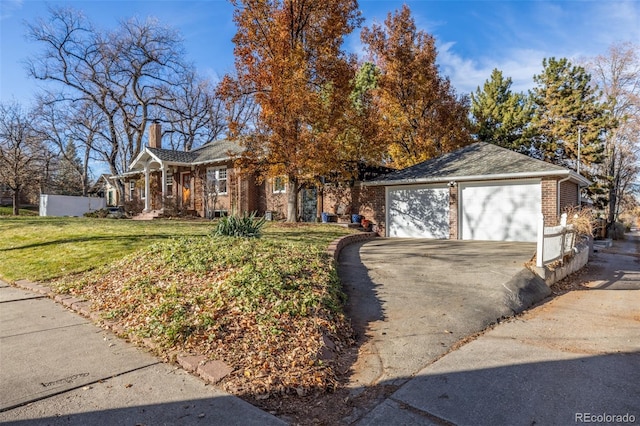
(500,176)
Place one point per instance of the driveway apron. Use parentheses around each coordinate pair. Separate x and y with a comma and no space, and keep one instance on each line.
(411,300)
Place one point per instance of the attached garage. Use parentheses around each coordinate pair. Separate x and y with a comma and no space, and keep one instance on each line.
(500,210)
(480,192)
(418,211)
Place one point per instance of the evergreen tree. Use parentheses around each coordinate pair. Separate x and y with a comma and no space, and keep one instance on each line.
(68,179)
(567,105)
(500,116)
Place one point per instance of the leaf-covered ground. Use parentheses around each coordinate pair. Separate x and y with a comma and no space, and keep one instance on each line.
(266,306)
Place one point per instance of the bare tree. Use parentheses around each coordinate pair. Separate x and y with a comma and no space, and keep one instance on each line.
(63,124)
(22,152)
(125,75)
(618,75)
(196,118)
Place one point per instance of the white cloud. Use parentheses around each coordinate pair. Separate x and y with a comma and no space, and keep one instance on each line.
(575,30)
(7,7)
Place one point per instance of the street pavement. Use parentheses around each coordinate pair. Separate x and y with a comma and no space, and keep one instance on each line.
(572,360)
(57,368)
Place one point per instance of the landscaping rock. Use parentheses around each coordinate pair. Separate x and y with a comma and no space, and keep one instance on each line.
(190,362)
(214,371)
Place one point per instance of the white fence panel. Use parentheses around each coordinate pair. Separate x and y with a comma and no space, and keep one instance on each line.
(554,242)
(66,205)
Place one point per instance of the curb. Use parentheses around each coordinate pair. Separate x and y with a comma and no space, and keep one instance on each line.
(336,246)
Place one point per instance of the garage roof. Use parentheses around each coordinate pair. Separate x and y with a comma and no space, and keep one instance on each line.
(478,161)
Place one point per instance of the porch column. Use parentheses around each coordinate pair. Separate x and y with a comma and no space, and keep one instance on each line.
(146,187)
(164,186)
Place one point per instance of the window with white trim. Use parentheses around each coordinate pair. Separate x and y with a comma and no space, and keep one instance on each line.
(217,180)
(169,183)
(279,186)
(132,189)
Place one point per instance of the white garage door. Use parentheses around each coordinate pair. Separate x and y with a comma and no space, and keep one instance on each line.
(418,211)
(500,211)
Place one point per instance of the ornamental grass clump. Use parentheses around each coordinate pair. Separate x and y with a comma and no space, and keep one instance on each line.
(245,226)
(582,220)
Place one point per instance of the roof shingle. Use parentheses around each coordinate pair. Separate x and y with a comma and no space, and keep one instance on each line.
(478,159)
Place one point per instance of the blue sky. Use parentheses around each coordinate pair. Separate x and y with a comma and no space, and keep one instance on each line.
(473,37)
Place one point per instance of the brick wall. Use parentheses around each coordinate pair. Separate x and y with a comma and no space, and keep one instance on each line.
(275,202)
(370,202)
(568,195)
(339,199)
(549,188)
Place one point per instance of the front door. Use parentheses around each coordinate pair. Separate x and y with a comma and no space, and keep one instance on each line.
(309,204)
(185,179)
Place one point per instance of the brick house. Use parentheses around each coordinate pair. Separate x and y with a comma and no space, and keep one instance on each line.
(480,192)
(204,182)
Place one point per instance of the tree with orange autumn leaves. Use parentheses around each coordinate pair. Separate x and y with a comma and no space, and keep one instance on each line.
(420,115)
(289,57)
(319,115)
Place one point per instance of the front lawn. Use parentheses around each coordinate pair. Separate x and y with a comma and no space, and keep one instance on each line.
(8,211)
(43,248)
(266,307)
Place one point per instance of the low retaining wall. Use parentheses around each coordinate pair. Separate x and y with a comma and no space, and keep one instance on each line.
(338,244)
(576,262)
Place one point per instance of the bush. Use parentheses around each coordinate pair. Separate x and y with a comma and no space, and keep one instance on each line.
(133,207)
(582,219)
(101,214)
(246,226)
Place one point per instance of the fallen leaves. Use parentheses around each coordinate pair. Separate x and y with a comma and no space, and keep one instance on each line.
(265,307)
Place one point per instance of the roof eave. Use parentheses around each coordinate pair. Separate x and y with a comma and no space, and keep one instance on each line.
(213,160)
(581,180)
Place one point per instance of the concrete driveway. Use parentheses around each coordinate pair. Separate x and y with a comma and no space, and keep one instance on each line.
(411,300)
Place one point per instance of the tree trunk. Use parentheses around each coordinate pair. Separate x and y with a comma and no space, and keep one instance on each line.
(16,202)
(292,199)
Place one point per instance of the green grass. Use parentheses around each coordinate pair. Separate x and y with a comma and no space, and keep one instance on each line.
(262,305)
(44,248)
(8,211)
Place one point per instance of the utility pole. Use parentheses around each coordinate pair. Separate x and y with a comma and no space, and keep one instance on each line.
(579,147)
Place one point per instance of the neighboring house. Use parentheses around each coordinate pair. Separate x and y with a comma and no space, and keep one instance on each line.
(28,195)
(6,196)
(480,192)
(104,188)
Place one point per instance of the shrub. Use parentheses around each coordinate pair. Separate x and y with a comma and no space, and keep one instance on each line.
(102,213)
(246,226)
(582,219)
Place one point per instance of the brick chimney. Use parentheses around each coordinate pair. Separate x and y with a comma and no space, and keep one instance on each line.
(155,135)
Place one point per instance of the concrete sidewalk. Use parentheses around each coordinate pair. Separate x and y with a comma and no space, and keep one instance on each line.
(58,368)
(572,360)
